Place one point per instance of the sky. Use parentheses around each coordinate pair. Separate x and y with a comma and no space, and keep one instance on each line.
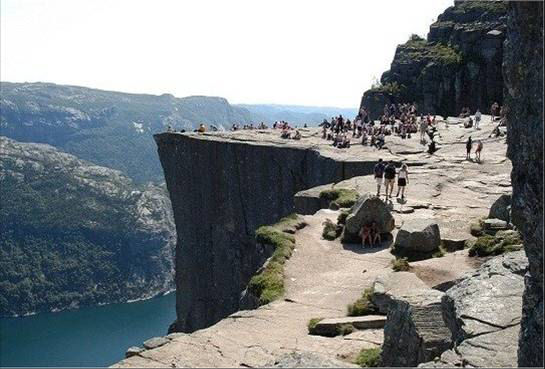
(301,52)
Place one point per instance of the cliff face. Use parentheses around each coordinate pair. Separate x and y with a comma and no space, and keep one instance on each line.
(523,71)
(221,191)
(458,65)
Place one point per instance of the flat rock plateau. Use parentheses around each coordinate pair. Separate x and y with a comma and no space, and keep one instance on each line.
(322,277)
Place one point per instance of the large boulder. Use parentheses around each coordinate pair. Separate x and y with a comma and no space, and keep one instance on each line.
(418,236)
(483,312)
(387,287)
(501,208)
(366,210)
(415,331)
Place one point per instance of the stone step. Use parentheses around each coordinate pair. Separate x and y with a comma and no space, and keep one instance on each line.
(330,327)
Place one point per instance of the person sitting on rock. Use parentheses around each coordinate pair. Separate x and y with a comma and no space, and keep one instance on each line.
(365,234)
(285,133)
(202,128)
(375,235)
(468,123)
(297,135)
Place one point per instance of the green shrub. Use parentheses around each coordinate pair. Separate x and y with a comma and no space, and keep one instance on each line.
(400,265)
(343,197)
(363,305)
(312,324)
(268,285)
(502,242)
(476,229)
(341,219)
(344,329)
(439,253)
(368,358)
(330,230)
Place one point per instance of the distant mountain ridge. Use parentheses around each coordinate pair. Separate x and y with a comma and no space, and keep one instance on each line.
(297,114)
(77,234)
(112,129)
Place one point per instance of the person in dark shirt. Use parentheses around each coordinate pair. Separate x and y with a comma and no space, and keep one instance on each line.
(389,177)
(379,174)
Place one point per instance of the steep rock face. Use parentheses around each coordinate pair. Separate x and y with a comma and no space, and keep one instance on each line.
(221,191)
(77,234)
(523,71)
(458,65)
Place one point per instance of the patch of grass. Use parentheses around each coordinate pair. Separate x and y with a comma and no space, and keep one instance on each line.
(341,219)
(330,231)
(268,285)
(439,253)
(363,305)
(311,325)
(391,88)
(502,242)
(343,197)
(368,358)
(400,265)
(344,329)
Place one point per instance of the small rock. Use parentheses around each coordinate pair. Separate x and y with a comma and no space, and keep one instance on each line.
(330,327)
(495,224)
(387,287)
(155,342)
(133,350)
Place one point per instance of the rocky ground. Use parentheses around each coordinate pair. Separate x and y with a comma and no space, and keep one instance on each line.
(322,276)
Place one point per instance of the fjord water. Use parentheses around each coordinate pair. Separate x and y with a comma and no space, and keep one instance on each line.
(93,336)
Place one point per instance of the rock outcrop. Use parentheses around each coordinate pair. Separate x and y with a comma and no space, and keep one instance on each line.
(222,189)
(418,236)
(366,210)
(523,74)
(415,331)
(483,313)
(459,65)
(501,209)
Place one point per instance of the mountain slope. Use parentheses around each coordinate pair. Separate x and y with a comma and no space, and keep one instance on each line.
(76,234)
(297,114)
(108,128)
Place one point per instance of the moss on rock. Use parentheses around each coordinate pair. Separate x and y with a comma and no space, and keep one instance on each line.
(342,197)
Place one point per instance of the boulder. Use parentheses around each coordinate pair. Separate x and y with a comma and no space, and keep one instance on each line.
(483,312)
(418,235)
(368,209)
(155,342)
(331,327)
(501,208)
(493,225)
(387,287)
(133,350)
(487,300)
(415,331)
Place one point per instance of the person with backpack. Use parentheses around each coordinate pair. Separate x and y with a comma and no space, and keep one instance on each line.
(379,173)
(389,177)
(469,145)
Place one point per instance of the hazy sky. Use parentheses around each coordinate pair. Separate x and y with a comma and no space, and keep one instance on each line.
(250,51)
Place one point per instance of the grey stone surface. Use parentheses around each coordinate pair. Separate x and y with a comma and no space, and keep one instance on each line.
(155,342)
(305,359)
(329,327)
(495,224)
(218,209)
(369,209)
(419,235)
(523,71)
(501,208)
(133,350)
(387,287)
(415,331)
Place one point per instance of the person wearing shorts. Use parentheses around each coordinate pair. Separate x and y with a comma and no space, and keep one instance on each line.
(402,180)
(389,177)
(379,173)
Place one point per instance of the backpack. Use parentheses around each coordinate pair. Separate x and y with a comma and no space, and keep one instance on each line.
(390,172)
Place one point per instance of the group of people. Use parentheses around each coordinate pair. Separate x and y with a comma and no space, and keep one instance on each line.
(236,126)
(478,149)
(386,174)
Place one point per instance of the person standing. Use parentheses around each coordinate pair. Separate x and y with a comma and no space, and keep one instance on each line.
(389,177)
(402,180)
(469,145)
(477,119)
(379,173)
(478,151)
